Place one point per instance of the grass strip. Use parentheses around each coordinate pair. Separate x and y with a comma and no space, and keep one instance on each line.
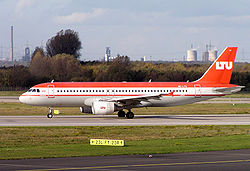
(44,142)
(22,109)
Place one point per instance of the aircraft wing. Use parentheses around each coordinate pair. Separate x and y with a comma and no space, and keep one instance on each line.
(228,90)
(136,99)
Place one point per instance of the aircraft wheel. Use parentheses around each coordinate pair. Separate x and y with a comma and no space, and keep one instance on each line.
(49,115)
(121,113)
(130,115)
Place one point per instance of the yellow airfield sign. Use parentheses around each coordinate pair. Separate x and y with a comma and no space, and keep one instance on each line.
(107,142)
(56,112)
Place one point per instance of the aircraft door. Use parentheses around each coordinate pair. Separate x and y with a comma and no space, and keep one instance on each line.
(197,89)
(110,92)
(51,93)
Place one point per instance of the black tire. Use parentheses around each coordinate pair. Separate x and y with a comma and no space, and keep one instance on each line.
(121,113)
(130,115)
(50,115)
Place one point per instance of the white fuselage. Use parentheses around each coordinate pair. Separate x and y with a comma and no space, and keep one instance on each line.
(76,97)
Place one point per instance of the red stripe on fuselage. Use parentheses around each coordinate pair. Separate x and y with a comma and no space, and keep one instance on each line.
(95,95)
(127,85)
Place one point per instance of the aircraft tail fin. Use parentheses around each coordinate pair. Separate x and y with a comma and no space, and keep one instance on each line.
(221,70)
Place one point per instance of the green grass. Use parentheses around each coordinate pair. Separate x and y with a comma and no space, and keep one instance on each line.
(11,93)
(22,109)
(42,142)
(239,95)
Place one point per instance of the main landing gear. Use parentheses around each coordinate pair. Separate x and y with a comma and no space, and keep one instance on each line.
(129,114)
(50,114)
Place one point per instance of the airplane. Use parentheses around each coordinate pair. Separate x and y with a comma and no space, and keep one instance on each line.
(103,98)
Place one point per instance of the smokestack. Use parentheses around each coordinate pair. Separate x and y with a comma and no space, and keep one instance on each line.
(11,45)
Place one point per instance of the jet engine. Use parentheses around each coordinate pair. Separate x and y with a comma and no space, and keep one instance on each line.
(103,108)
(86,109)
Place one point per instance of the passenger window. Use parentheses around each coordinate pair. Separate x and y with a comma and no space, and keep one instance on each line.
(38,90)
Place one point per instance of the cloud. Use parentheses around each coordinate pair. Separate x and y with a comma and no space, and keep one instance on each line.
(79,17)
(21,4)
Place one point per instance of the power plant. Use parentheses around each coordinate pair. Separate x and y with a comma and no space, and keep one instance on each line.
(26,57)
(210,54)
(191,55)
(107,55)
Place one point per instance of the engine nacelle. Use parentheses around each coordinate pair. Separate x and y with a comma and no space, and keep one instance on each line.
(103,108)
(86,109)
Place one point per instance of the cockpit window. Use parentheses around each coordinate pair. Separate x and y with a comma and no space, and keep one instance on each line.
(29,90)
(34,90)
(37,90)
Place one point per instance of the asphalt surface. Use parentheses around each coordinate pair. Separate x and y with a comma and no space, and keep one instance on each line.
(215,160)
(113,120)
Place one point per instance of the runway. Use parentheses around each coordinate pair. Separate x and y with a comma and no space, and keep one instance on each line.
(113,120)
(214,160)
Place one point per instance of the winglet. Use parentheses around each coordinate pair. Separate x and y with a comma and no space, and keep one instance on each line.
(221,70)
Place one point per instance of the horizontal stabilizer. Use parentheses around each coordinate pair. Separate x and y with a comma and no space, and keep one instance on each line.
(228,90)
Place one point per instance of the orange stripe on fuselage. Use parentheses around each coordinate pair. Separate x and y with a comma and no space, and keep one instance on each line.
(128,85)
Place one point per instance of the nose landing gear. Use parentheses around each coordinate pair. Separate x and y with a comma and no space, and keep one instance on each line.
(50,114)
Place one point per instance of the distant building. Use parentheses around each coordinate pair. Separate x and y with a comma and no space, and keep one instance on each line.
(107,56)
(205,55)
(212,55)
(143,59)
(191,55)
(26,57)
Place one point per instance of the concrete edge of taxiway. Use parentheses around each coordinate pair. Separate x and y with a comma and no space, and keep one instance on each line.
(113,120)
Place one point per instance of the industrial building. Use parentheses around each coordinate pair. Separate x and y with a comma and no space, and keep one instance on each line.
(191,55)
(26,57)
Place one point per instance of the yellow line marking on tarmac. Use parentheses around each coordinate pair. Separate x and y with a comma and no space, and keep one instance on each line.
(142,165)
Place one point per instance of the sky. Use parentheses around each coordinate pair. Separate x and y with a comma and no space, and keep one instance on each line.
(157,29)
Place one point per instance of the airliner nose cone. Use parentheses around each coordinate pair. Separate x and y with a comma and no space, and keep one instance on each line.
(21,99)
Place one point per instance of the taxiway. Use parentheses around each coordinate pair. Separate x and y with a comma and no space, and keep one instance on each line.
(113,120)
(214,160)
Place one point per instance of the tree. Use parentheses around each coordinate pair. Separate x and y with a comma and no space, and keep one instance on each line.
(120,70)
(66,42)
(36,51)
(40,65)
(64,67)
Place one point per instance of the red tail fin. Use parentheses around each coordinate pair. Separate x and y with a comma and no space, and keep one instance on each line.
(221,70)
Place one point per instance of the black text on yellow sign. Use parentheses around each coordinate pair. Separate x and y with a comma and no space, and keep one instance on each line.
(107,142)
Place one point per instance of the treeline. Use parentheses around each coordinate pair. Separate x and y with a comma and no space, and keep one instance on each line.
(60,63)
(65,67)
